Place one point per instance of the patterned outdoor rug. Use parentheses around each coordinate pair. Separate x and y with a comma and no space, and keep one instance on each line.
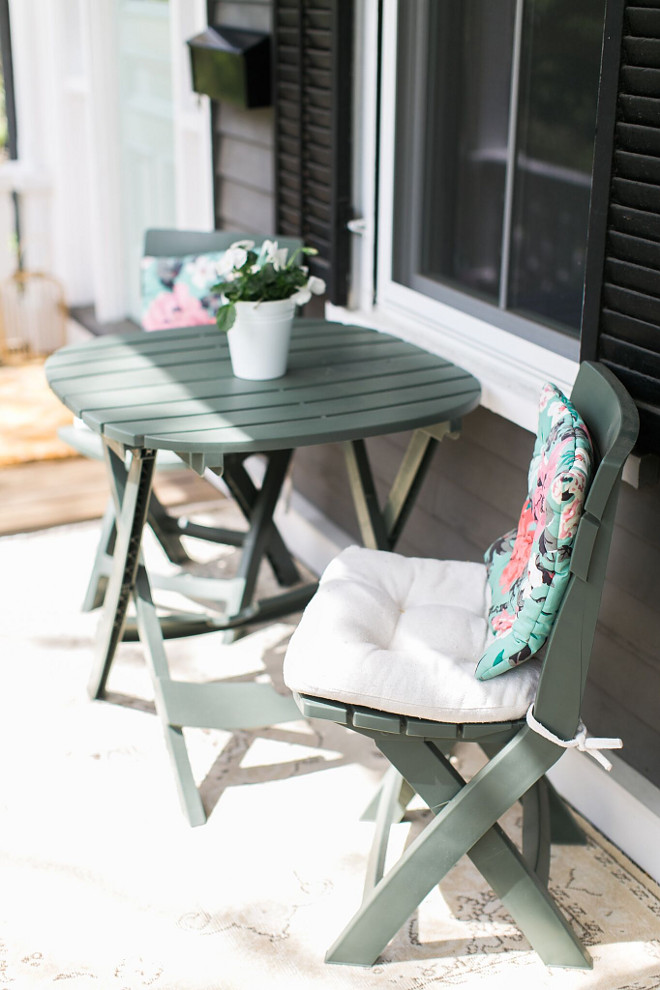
(104,885)
(30,415)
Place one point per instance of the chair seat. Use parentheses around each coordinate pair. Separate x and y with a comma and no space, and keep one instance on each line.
(404,635)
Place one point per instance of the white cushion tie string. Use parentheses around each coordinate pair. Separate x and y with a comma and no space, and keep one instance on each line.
(581,741)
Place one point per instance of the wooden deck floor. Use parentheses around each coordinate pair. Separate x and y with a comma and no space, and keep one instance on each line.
(54,493)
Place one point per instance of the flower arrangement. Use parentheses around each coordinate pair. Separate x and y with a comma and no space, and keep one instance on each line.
(262,275)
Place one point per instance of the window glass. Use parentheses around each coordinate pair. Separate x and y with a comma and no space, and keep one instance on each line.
(464,176)
(495,124)
(560,67)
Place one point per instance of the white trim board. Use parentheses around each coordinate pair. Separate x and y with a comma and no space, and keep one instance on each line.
(622,804)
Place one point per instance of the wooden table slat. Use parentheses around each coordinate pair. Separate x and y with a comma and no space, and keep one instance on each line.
(228,403)
(113,347)
(78,355)
(225,386)
(215,350)
(285,412)
(315,429)
(212,361)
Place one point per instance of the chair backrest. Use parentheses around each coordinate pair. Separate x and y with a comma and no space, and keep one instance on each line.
(613,423)
(165,243)
(190,302)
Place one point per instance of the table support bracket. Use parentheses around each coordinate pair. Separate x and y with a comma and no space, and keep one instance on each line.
(381,528)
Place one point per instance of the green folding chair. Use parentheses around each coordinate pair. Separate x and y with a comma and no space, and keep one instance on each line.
(342,668)
(236,480)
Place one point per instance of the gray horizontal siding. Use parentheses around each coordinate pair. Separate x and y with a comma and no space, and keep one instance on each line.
(473,493)
(243,140)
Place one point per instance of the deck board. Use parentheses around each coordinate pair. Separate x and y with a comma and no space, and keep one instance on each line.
(42,494)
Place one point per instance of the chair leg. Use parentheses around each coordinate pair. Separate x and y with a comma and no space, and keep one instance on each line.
(393,797)
(161,524)
(406,795)
(245,494)
(536,829)
(386,808)
(98,580)
(564,830)
(465,822)
(546,820)
(152,640)
(262,532)
(158,519)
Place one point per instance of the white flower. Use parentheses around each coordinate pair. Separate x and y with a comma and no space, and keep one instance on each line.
(302,296)
(271,254)
(235,257)
(314,285)
(267,249)
(242,244)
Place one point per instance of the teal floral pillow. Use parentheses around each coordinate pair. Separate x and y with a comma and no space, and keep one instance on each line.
(528,568)
(176,291)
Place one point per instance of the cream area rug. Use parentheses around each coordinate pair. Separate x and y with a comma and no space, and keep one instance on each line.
(103,886)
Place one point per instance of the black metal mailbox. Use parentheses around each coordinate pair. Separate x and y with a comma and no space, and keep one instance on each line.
(232,65)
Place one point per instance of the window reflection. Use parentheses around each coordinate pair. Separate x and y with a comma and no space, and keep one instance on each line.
(560,67)
(494,206)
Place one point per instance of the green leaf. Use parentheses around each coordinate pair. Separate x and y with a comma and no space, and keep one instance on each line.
(225,317)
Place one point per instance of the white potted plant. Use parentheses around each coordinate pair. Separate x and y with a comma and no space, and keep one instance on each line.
(260,289)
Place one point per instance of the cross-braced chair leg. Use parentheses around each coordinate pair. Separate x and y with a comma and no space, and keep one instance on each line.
(389,811)
(406,794)
(465,822)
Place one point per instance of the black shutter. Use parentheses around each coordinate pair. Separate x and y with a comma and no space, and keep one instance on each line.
(313,42)
(621,325)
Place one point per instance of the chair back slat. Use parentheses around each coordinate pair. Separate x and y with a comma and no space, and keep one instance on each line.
(613,422)
(164,243)
(181,295)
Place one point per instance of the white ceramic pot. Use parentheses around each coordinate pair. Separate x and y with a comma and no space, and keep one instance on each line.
(259,339)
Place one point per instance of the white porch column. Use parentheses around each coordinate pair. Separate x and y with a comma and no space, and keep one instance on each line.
(192,123)
(51,174)
(98,20)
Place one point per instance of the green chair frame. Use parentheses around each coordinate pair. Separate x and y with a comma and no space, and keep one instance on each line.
(465,814)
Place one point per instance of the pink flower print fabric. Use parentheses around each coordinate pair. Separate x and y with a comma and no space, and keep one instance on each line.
(522,546)
(177,308)
(528,568)
(176,292)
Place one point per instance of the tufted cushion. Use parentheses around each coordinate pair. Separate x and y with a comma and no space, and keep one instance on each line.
(528,568)
(175,291)
(403,635)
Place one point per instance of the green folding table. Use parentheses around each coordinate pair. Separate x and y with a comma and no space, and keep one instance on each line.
(174,390)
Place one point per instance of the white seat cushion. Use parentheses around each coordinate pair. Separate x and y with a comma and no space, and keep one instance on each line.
(404,635)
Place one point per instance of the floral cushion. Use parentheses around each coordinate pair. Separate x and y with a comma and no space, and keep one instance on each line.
(175,291)
(528,568)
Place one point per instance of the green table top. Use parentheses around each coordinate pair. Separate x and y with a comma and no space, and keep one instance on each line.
(174,389)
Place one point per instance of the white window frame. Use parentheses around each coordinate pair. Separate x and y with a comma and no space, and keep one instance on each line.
(511,369)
